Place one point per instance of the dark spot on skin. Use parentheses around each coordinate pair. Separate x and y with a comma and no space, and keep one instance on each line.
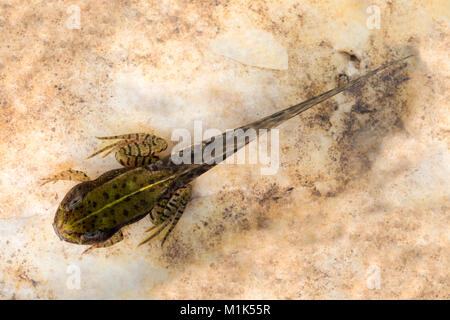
(141,185)
(115,186)
(136,207)
(117,196)
(169,205)
(89,211)
(144,203)
(94,204)
(111,212)
(105,195)
(134,179)
(124,185)
(125,213)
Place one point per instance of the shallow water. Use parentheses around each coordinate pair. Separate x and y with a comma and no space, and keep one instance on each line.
(359,207)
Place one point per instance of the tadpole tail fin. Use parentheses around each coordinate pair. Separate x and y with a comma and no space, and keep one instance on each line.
(290,112)
(268,122)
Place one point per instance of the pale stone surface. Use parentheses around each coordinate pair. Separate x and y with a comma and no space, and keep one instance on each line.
(253,47)
(368,215)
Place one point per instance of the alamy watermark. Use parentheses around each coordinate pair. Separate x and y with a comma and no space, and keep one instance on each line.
(374,20)
(373,280)
(263,148)
(73,282)
(74,20)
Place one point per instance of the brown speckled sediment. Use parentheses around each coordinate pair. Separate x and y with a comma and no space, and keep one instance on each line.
(362,189)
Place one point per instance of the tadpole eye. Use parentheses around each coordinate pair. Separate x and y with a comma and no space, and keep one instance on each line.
(75,202)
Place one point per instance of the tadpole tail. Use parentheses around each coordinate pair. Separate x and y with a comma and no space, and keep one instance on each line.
(268,122)
(288,113)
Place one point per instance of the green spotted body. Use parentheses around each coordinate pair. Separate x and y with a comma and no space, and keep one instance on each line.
(110,204)
(94,211)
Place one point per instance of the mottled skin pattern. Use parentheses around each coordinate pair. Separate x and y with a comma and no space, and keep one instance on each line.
(94,211)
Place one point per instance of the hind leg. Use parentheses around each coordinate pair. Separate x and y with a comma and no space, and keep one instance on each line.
(133,150)
(132,159)
(167,212)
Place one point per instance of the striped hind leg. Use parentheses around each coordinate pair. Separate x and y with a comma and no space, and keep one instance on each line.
(132,159)
(133,150)
(167,212)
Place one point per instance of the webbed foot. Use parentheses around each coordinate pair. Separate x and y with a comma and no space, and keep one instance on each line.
(70,174)
(167,213)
